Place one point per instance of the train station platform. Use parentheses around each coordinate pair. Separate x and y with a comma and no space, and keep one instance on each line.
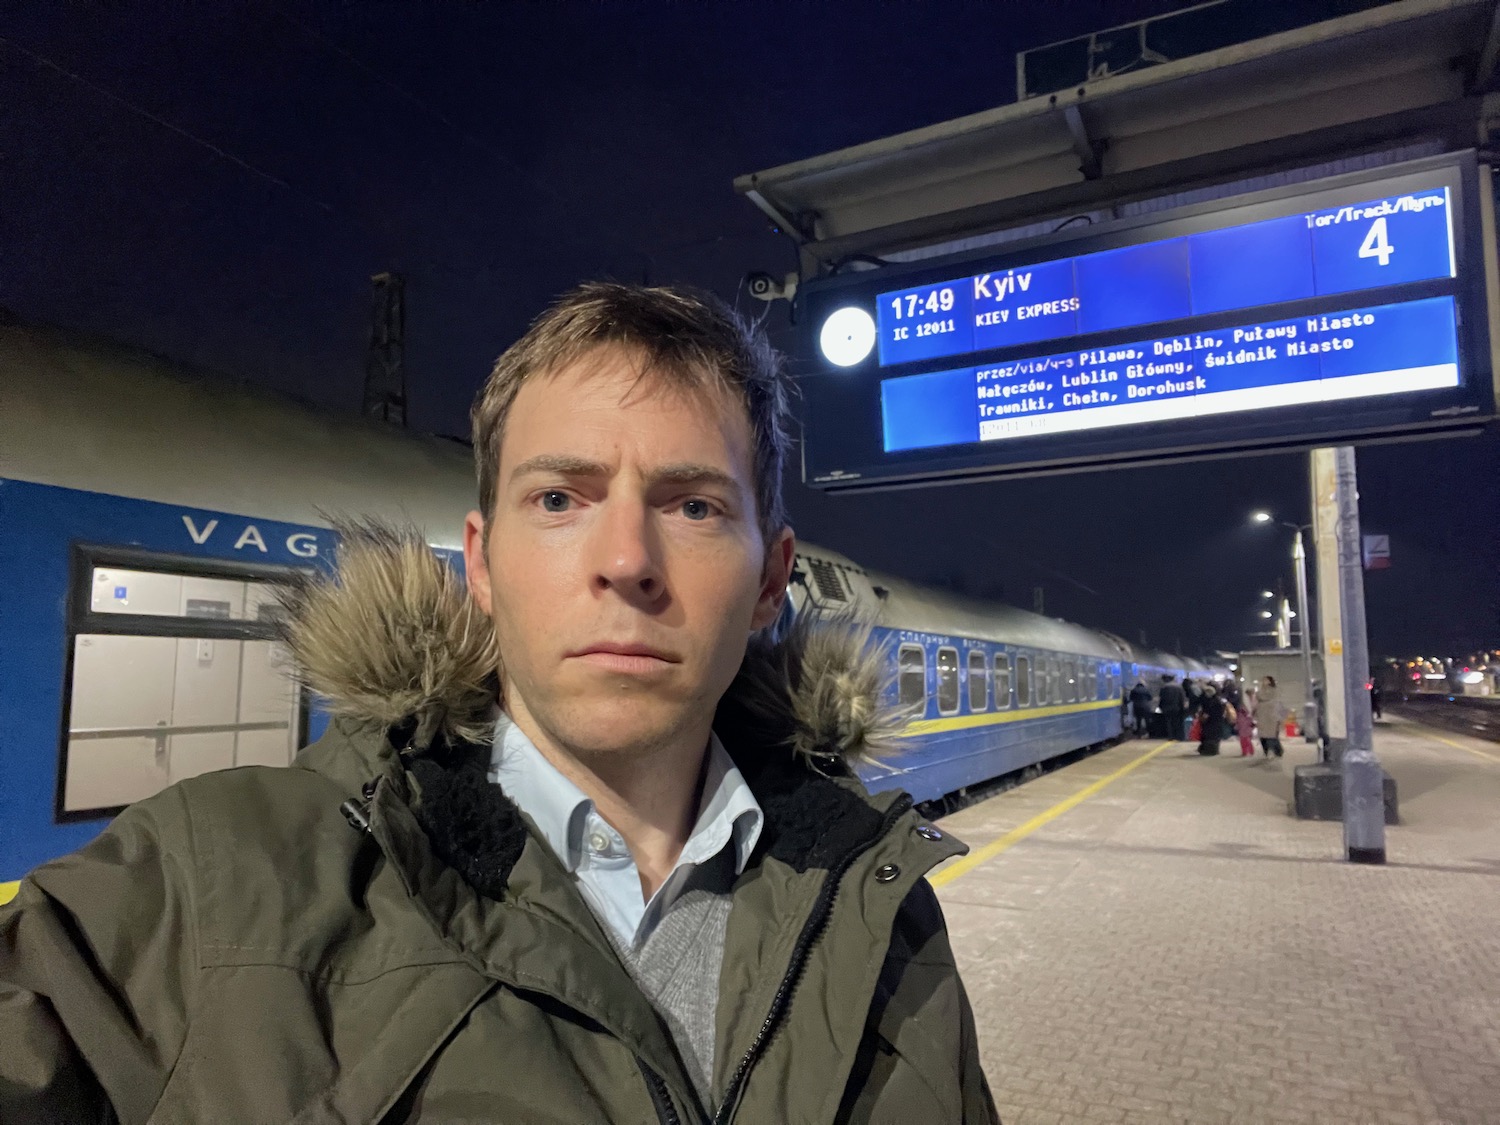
(1149,936)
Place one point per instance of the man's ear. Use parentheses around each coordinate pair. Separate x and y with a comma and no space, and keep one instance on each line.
(780,556)
(476,561)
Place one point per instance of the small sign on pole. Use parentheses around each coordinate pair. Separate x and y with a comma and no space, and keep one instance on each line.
(1377,552)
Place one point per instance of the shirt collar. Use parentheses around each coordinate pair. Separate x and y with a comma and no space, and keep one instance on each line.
(727,811)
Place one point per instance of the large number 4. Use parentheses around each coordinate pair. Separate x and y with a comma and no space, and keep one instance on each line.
(1376,245)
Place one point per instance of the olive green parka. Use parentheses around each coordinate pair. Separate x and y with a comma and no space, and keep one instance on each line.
(378,935)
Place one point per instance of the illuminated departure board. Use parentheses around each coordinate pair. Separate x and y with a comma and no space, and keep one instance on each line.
(1366,245)
(1335,308)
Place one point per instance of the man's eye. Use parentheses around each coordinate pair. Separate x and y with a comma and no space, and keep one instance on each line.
(555,501)
(697,509)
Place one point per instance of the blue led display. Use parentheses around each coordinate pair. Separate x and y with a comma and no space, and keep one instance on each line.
(1381,242)
(1386,242)
(929,321)
(1258,365)
(1135,285)
(1025,305)
(1256,264)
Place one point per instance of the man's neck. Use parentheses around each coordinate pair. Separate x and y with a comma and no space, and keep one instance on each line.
(649,797)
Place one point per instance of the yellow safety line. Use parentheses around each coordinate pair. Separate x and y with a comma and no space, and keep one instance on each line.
(1013,715)
(8,891)
(1016,835)
(1466,749)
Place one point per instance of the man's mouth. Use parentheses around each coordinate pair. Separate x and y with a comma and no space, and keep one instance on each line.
(627,659)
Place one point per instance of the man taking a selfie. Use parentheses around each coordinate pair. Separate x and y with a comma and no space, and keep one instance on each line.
(583,843)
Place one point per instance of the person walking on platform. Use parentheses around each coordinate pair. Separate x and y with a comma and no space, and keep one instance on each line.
(1268,716)
(1244,724)
(1193,693)
(1140,707)
(1211,713)
(1173,703)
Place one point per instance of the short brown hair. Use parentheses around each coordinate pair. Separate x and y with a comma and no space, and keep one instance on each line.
(693,339)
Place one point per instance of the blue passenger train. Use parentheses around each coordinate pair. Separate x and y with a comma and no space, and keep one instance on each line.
(145,510)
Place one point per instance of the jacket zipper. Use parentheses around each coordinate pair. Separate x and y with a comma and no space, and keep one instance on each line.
(661,1098)
(812,929)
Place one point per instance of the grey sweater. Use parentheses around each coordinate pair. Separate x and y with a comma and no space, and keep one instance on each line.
(677,966)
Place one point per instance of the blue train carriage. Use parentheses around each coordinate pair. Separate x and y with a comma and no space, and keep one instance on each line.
(144,511)
(991,689)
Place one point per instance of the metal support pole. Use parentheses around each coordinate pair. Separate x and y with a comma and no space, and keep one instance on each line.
(1363,781)
(1299,556)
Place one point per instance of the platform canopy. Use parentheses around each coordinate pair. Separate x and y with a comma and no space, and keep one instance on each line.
(1404,72)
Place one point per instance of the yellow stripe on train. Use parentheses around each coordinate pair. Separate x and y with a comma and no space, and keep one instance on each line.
(8,891)
(1014,715)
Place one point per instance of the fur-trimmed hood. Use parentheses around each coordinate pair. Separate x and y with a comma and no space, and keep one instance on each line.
(393,637)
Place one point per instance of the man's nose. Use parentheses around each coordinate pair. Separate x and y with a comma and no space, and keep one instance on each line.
(627,553)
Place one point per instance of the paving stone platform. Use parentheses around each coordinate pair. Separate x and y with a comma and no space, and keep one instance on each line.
(1178,948)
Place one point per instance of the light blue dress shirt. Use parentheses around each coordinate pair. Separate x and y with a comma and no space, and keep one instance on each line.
(728,815)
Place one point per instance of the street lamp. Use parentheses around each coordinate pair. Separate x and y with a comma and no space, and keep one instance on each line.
(1299,556)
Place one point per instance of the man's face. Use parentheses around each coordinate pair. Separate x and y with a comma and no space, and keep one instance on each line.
(626,568)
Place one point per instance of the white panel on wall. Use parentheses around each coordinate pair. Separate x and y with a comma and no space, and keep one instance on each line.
(115,590)
(106,772)
(121,682)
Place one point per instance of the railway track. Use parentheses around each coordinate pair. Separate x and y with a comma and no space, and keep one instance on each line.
(1477,717)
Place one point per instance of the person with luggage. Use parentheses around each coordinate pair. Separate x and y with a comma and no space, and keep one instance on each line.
(1211,713)
(1172,701)
(1140,707)
(1268,714)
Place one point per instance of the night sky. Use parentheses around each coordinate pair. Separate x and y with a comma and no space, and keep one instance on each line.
(218,182)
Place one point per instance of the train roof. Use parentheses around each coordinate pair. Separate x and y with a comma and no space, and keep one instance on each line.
(82,413)
(940,611)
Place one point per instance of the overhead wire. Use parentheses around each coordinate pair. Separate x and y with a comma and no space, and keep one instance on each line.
(156,119)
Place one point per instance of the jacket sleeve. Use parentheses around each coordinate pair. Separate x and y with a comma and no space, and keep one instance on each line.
(920,1058)
(96,968)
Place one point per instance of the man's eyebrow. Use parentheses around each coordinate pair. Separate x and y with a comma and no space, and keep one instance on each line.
(560,463)
(679,473)
(686,472)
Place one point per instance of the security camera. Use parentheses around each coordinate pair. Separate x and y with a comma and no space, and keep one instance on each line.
(764,287)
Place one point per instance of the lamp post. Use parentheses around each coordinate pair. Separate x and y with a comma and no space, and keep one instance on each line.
(1299,556)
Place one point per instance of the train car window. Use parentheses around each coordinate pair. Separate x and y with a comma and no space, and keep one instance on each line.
(947,677)
(1070,672)
(913,675)
(1023,681)
(1002,682)
(171,675)
(979,682)
(1041,693)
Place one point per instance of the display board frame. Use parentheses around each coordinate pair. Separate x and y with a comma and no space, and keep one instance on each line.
(843,447)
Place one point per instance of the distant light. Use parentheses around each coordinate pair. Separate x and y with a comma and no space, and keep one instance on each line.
(1267,613)
(848,336)
(1472,677)
(1267,594)
(1291,613)
(1261,517)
